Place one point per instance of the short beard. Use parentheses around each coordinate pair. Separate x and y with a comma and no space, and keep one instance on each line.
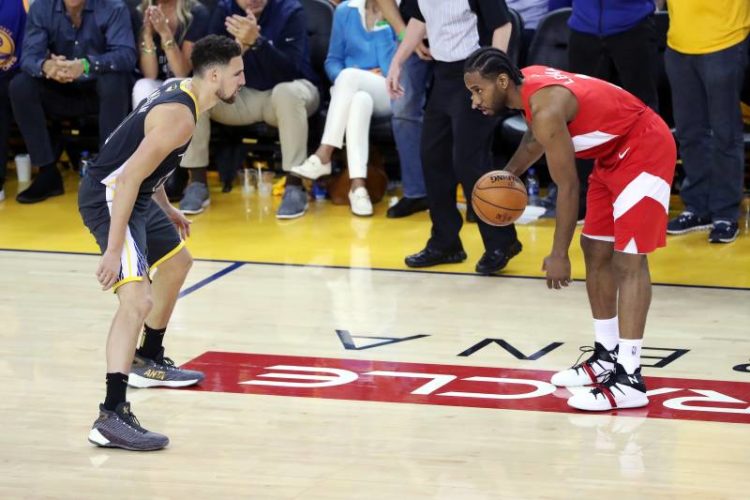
(225,99)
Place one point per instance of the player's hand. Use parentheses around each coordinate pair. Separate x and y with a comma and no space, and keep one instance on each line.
(181,222)
(244,29)
(109,269)
(395,90)
(558,271)
(423,52)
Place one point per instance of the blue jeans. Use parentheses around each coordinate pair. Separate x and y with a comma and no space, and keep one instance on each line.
(706,101)
(408,112)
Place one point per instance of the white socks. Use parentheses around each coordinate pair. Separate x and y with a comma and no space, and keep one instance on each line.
(607,332)
(629,355)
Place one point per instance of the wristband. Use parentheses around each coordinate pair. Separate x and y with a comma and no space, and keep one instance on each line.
(401,35)
(86,66)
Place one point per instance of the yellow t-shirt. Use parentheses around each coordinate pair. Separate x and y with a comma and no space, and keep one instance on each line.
(704,26)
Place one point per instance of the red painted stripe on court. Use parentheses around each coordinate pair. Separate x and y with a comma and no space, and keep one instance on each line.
(452,385)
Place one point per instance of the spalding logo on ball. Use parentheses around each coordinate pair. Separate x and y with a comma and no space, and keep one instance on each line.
(499,198)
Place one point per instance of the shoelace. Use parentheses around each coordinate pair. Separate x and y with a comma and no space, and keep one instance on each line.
(585,349)
(131,421)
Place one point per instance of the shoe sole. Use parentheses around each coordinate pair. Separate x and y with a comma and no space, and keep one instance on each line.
(139,382)
(452,260)
(639,403)
(96,438)
(300,174)
(293,216)
(725,240)
(38,200)
(704,227)
(196,212)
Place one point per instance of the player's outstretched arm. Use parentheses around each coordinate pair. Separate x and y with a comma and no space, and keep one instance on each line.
(167,127)
(415,32)
(549,124)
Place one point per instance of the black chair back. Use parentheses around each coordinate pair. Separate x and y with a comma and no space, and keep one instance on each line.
(516,37)
(550,44)
(319,15)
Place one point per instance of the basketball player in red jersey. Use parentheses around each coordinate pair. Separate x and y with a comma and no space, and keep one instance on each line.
(573,116)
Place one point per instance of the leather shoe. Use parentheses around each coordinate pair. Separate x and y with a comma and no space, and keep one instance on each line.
(431,257)
(406,207)
(45,185)
(495,260)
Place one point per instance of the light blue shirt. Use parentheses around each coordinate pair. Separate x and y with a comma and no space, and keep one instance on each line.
(352,46)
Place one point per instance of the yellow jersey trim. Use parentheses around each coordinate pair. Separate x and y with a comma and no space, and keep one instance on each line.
(124,281)
(169,255)
(184,88)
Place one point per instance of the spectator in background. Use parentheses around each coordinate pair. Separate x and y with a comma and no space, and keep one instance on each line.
(168,32)
(12,23)
(279,90)
(707,52)
(359,54)
(78,57)
(408,114)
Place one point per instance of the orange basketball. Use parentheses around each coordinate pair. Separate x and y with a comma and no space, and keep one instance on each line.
(499,198)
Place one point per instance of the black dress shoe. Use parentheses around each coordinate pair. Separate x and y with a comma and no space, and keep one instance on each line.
(406,207)
(430,257)
(495,260)
(45,185)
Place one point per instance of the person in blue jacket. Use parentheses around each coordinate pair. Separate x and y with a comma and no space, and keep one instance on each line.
(360,52)
(12,23)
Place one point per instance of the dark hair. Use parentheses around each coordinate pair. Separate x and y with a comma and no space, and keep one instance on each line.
(490,62)
(213,50)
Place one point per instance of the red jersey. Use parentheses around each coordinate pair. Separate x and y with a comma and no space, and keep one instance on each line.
(606,113)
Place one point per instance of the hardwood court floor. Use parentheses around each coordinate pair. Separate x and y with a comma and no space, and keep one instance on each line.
(309,305)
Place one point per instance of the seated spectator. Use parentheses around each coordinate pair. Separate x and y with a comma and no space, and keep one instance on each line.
(168,32)
(279,91)
(78,56)
(12,21)
(360,52)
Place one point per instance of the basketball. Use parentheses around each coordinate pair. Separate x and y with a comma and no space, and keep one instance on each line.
(499,198)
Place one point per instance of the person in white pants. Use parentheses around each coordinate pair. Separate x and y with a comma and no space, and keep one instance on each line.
(360,51)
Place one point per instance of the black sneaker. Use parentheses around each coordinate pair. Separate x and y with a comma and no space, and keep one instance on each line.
(590,371)
(618,390)
(160,372)
(120,429)
(687,222)
(724,231)
(431,257)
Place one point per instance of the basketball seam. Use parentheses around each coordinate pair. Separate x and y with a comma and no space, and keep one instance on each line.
(497,206)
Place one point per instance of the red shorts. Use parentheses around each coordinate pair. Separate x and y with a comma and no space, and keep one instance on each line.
(628,197)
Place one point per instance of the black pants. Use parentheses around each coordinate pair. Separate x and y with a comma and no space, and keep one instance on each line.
(5,118)
(456,147)
(628,59)
(36,99)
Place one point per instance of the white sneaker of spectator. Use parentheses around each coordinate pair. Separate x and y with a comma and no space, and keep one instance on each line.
(360,202)
(312,168)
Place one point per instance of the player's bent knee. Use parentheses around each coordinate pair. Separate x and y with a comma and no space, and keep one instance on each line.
(628,264)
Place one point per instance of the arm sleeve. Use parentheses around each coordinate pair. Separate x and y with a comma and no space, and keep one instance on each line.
(198,27)
(493,14)
(35,42)
(120,52)
(337,45)
(282,60)
(410,8)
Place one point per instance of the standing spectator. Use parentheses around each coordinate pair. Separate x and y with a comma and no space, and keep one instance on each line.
(168,32)
(12,21)
(408,113)
(456,139)
(78,56)
(279,90)
(707,51)
(360,52)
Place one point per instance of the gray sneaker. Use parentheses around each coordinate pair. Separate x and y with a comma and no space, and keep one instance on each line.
(160,372)
(195,199)
(293,204)
(120,429)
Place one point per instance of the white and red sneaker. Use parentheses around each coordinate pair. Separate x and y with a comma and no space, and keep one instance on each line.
(618,390)
(590,371)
